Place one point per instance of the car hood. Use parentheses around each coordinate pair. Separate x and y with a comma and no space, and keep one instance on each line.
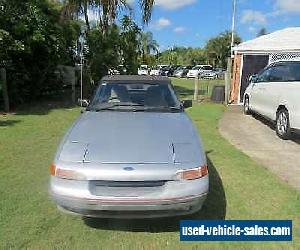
(129,137)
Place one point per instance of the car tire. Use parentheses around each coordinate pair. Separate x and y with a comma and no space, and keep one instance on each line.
(247,110)
(283,129)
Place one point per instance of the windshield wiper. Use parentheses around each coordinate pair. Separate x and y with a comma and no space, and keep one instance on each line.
(175,108)
(134,107)
(172,109)
(112,106)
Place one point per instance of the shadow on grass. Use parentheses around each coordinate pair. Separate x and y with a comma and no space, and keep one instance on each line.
(8,123)
(213,208)
(43,104)
(44,107)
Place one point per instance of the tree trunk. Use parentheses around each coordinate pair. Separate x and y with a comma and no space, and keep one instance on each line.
(4,89)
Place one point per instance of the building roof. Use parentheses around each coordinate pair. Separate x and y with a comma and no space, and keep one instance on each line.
(136,78)
(285,40)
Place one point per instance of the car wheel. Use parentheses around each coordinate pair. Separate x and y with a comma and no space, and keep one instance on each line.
(247,110)
(283,129)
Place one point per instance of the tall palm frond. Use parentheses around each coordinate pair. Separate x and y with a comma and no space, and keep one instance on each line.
(108,9)
(75,8)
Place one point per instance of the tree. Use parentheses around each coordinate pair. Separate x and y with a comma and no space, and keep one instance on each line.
(183,56)
(103,51)
(105,41)
(129,44)
(148,45)
(218,48)
(108,10)
(119,45)
(33,41)
(262,32)
(75,8)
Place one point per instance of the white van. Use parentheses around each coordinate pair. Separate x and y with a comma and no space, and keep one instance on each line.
(275,94)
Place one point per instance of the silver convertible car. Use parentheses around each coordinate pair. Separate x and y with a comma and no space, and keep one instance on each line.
(133,153)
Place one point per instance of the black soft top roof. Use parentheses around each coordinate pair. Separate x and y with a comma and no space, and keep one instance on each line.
(136,79)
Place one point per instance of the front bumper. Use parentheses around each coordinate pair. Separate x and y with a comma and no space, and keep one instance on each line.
(172,199)
(118,208)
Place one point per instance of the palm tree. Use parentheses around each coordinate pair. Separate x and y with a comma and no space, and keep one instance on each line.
(148,45)
(108,9)
(75,8)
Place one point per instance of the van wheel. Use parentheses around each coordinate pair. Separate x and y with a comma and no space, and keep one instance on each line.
(247,110)
(283,129)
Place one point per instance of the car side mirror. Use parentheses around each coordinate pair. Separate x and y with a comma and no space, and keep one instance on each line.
(253,78)
(187,103)
(83,103)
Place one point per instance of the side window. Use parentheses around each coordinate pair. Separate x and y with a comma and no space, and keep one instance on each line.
(294,72)
(278,73)
(264,76)
(287,72)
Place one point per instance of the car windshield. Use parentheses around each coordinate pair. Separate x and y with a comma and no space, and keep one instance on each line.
(143,68)
(196,67)
(135,97)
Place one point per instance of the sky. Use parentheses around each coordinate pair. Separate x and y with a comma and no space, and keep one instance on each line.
(194,22)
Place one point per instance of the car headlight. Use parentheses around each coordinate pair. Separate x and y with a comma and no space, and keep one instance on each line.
(66,173)
(192,174)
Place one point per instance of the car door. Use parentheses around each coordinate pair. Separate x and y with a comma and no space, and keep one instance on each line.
(277,82)
(258,89)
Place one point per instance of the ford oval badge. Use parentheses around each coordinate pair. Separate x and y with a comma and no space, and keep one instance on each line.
(128,168)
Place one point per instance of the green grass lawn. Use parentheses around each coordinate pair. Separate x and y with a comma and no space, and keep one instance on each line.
(240,189)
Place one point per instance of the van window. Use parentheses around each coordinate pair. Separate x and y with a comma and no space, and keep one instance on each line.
(293,72)
(264,76)
(278,73)
(288,72)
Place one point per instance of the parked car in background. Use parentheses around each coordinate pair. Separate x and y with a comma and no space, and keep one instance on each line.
(182,71)
(143,70)
(209,74)
(194,72)
(179,71)
(175,68)
(113,71)
(156,71)
(167,71)
(220,73)
(207,71)
(134,153)
(275,94)
(120,70)
(199,71)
